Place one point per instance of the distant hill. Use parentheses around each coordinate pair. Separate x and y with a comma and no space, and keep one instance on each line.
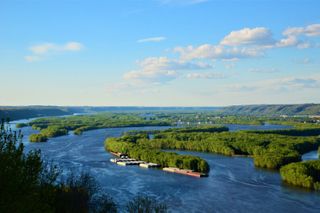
(272,110)
(24,112)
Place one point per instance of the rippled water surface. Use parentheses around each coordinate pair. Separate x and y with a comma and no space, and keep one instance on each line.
(234,185)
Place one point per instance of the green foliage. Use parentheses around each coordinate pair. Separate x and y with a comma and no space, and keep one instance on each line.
(81,123)
(37,138)
(165,159)
(276,159)
(292,132)
(304,174)
(24,180)
(54,131)
(27,184)
(268,150)
(205,128)
(20,125)
(144,204)
(49,132)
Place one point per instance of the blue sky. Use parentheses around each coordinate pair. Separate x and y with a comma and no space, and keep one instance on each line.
(159,52)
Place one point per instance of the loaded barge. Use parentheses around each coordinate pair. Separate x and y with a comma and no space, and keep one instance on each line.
(124,160)
(184,172)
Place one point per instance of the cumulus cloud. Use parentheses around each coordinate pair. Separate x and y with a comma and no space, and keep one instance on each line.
(287,42)
(161,69)
(152,39)
(310,30)
(240,44)
(208,51)
(249,43)
(249,36)
(292,36)
(41,50)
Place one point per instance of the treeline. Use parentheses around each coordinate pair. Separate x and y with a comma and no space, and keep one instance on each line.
(272,110)
(81,123)
(268,150)
(205,117)
(57,126)
(199,129)
(292,132)
(304,174)
(49,132)
(28,184)
(129,145)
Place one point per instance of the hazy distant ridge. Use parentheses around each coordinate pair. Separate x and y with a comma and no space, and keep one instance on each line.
(24,112)
(273,110)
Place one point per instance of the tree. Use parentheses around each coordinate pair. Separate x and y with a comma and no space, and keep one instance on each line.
(28,184)
(144,204)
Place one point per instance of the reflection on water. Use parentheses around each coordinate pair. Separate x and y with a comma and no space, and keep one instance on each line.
(234,185)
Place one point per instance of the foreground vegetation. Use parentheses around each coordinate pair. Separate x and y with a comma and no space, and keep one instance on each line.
(28,184)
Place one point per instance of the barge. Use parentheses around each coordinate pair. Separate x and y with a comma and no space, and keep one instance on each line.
(149,165)
(184,172)
(125,161)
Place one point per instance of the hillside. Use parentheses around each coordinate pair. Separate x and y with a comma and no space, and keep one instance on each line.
(272,110)
(24,112)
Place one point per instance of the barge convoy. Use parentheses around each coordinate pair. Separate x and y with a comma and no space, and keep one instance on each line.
(124,160)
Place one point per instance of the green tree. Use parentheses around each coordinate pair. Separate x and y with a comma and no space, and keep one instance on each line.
(144,204)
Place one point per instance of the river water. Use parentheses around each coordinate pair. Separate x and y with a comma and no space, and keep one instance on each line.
(233,185)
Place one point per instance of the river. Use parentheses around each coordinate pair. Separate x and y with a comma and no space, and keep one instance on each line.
(233,185)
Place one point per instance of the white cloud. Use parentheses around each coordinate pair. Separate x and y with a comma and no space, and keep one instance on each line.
(207,51)
(161,69)
(287,42)
(248,36)
(240,44)
(72,46)
(152,39)
(155,75)
(248,43)
(205,75)
(310,30)
(40,50)
(293,36)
